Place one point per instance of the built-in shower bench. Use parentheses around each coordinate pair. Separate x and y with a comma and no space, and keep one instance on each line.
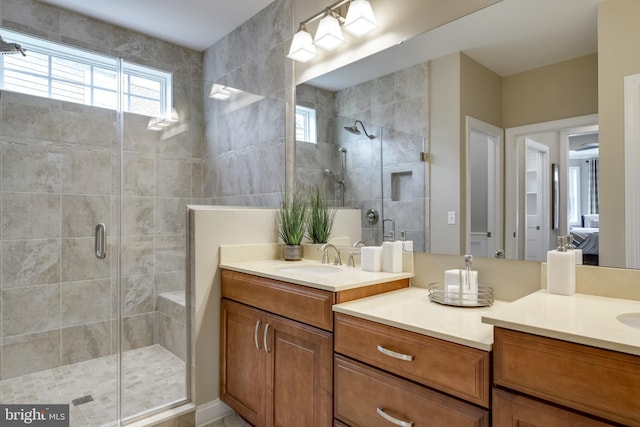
(170,330)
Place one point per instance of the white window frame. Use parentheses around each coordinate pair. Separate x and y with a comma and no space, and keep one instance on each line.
(573,187)
(309,124)
(57,50)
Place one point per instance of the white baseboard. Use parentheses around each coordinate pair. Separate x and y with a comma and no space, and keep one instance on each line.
(211,411)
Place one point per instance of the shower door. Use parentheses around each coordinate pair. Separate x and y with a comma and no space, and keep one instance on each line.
(59,301)
(93,311)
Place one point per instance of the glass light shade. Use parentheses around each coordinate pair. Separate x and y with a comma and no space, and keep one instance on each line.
(360,18)
(302,48)
(329,35)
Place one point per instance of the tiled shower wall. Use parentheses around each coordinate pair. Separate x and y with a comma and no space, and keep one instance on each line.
(58,179)
(313,159)
(394,108)
(244,151)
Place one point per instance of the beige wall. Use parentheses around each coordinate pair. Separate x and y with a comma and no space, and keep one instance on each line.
(480,98)
(460,87)
(444,146)
(557,91)
(618,35)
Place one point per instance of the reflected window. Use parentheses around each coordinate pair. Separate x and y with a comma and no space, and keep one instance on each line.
(305,124)
(574,195)
(57,71)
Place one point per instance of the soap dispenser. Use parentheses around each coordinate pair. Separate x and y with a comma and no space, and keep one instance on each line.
(570,248)
(561,269)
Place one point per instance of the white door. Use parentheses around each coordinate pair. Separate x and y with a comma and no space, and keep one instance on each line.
(537,169)
(484,188)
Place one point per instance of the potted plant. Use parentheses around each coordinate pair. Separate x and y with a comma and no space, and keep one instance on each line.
(292,216)
(321,218)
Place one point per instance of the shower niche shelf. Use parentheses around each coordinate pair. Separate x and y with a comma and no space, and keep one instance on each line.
(401,186)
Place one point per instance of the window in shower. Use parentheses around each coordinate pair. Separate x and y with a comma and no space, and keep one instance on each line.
(56,71)
(305,124)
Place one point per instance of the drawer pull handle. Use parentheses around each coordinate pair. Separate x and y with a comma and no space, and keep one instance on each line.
(264,338)
(393,354)
(255,335)
(391,419)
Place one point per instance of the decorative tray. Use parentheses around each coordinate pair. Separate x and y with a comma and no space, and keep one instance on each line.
(438,295)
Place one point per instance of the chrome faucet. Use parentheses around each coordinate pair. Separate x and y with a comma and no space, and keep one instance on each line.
(359,244)
(351,261)
(325,254)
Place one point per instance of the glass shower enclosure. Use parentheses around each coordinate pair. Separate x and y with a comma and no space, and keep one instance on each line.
(93,307)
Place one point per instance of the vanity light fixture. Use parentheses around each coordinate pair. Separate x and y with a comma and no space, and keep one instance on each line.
(329,34)
(302,47)
(359,20)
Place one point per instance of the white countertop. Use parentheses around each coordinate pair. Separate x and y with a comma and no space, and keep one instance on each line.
(411,310)
(347,278)
(579,318)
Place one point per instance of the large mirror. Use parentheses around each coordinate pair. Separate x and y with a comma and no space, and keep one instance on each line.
(450,138)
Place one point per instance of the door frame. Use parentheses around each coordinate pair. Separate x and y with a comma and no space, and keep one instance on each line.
(514,166)
(496,163)
(542,194)
(632,174)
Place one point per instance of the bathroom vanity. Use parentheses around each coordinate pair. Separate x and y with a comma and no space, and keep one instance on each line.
(401,359)
(566,360)
(277,337)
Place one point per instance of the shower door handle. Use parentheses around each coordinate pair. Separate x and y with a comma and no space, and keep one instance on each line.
(101,241)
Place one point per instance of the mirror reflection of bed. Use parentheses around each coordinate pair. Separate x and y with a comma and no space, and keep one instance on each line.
(583,195)
(586,238)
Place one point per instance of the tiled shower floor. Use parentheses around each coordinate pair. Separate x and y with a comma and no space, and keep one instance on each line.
(151,376)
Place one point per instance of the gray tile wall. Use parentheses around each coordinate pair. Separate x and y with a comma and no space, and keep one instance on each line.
(244,149)
(312,159)
(58,179)
(394,108)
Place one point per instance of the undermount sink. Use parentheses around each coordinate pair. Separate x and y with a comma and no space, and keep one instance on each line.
(310,269)
(630,319)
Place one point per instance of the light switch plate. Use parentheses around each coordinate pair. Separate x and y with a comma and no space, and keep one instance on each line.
(451,217)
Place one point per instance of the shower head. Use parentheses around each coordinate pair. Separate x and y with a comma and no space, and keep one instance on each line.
(11,48)
(354,129)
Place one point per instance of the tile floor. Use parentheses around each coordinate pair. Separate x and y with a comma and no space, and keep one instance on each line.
(152,376)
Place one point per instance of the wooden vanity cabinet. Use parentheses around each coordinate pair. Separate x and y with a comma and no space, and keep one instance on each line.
(276,371)
(602,385)
(277,349)
(382,371)
(511,409)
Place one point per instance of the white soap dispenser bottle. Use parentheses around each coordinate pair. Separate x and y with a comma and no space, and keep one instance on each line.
(561,270)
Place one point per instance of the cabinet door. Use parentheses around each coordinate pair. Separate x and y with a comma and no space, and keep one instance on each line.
(299,375)
(510,409)
(242,364)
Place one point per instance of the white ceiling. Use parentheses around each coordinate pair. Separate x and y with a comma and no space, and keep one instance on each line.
(196,24)
(508,37)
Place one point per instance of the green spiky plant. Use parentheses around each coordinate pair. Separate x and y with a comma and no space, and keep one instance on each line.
(320,218)
(293,216)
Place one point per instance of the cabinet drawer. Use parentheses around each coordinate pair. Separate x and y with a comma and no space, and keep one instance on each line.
(600,382)
(511,409)
(364,396)
(301,303)
(453,368)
